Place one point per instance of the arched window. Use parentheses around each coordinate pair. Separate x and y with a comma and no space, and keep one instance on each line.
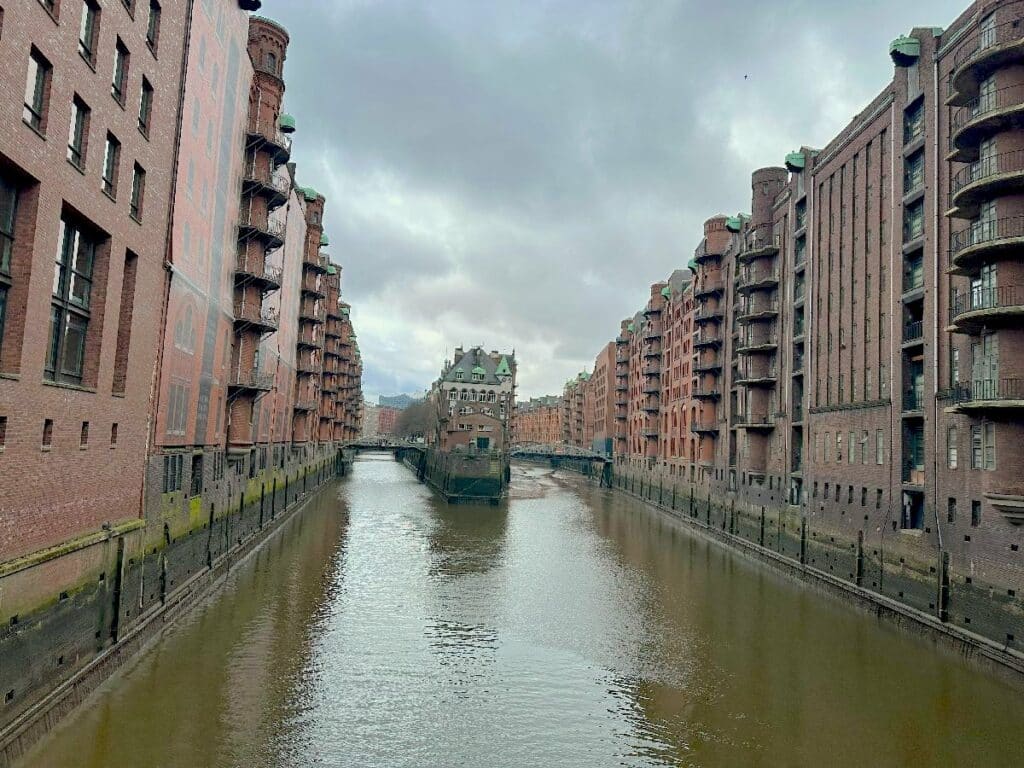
(270,60)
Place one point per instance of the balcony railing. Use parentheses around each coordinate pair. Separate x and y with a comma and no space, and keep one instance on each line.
(268,130)
(306,404)
(751,308)
(652,370)
(913,399)
(271,227)
(798,412)
(704,425)
(705,392)
(252,379)
(986,104)
(988,391)
(980,299)
(268,180)
(988,37)
(256,314)
(987,168)
(761,240)
(913,331)
(706,339)
(747,374)
(754,419)
(749,278)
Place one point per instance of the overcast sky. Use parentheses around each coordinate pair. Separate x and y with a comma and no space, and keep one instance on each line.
(516,174)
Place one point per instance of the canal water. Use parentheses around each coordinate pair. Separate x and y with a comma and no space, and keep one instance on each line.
(571,626)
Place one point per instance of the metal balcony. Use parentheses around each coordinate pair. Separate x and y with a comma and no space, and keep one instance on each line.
(309,341)
(311,315)
(306,405)
(760,241)
(913,332)
(1004,394)
(652,332)
(757,280)
(758,346)
(987,308)
(707,366)
(704,256)
(912,400)
(701,340)
(989,177)
(310,287)
(266,136)
(253,271)
(754,421)
(256,317)
(267,231)
(271,188)
(705,313)
(652,370)
(983,117)
(756,378)
(252,379)
(708,288)
(705,393)
(980,55)
(651,406)
(753,312)
(704,426)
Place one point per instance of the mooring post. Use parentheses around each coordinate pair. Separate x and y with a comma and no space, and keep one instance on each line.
(760,538)
(803,539)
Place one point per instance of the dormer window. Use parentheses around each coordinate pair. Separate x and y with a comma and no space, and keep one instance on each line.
(458,375)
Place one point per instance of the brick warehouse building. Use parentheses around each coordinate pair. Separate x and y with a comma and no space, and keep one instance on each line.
(853,387)
(166,193)
(538,420)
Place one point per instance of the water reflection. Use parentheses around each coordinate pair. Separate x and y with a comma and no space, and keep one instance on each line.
(570,626)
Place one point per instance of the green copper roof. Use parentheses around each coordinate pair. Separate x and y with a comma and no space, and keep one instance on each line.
(692,264)
(331,270)
(795,162)
(630,328)
(667,291)
(904,50)
(478,370)
(734,223)
(503,369)
(344,310)
(324,240)
(309,193)
(584,376)
(286,123)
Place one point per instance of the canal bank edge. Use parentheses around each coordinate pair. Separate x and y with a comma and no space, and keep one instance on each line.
(742,528)
(460,478)
(62,623)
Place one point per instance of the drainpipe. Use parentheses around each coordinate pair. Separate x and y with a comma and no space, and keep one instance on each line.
(935,300)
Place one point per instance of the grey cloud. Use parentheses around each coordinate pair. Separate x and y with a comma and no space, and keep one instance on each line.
(519,173)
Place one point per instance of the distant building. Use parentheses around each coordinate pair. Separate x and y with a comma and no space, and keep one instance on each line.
(538,420)
(371,420)
(475,399)
(386,418)
(398,402)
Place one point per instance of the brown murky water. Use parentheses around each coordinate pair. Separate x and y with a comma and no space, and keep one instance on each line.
(568,627)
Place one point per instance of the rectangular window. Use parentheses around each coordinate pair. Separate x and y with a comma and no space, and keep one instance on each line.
(913,221)
(172,473)
(111,160)
(88,31)
(78,132)
(113,435)
(138,192)
(864,453)
(119,81)
(954,367)
(153,26)
(828,447)
(951,448)
(37,90)
(913,172)
(851,448)
(145,107)
(839,447)
(989,439)
(69,310)
(196,486)
(951,510)
(975,513)
(977,447)
(8,210)
(84,439)
(3,432)
(879,447)
(913,123)
(47,433)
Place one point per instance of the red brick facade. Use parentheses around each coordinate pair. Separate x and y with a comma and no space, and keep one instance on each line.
(175,355)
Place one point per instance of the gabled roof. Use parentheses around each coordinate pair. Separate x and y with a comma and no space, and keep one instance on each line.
(477,361)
